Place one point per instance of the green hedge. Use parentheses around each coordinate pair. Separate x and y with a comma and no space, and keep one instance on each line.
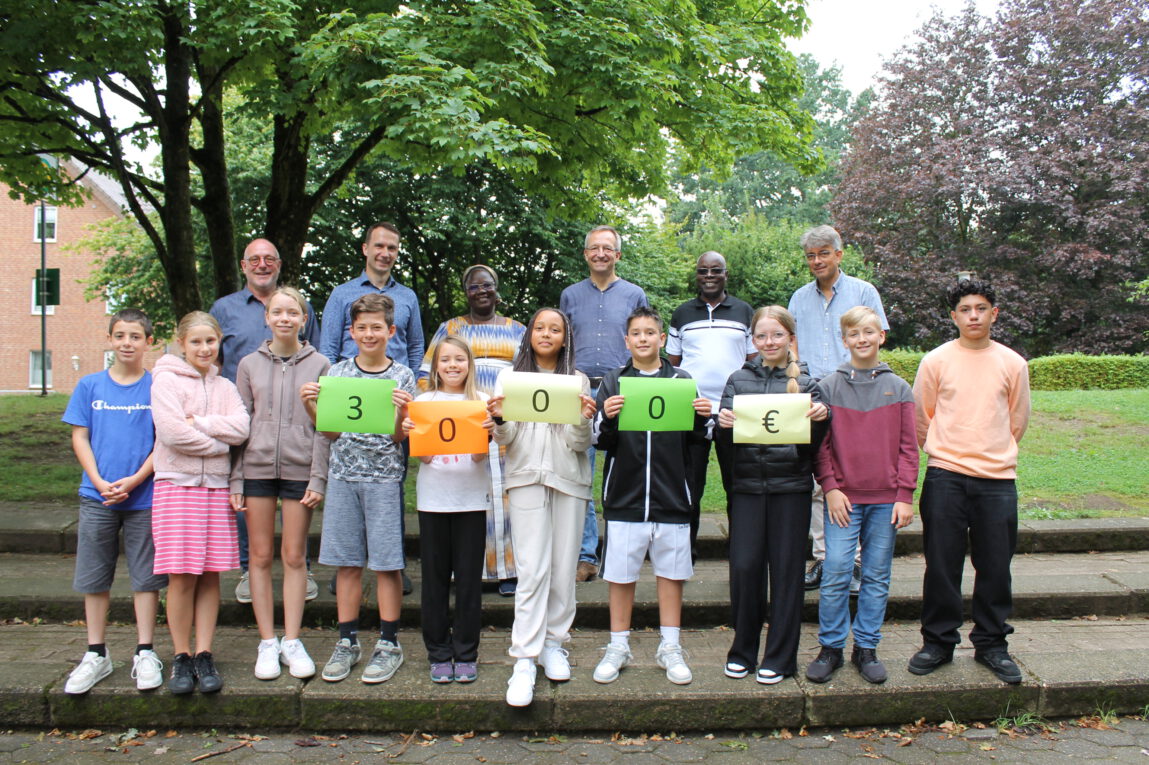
(1075,371)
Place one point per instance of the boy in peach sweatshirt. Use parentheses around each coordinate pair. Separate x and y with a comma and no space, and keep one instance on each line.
(972,402)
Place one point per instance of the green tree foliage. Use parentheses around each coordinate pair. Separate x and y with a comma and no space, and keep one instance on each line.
(1016,147)
(565,97)
(765,183)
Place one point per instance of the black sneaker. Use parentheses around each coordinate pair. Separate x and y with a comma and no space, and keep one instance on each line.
(407,586)
(856,580)
(206,674)
(183,676)
(868,664)
(1000,663)
(929,658)
(822,668)
(814,575)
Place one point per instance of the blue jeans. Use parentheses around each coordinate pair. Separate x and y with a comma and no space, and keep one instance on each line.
(588,550)
(872,524)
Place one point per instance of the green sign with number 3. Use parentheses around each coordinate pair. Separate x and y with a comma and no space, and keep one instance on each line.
(355,405)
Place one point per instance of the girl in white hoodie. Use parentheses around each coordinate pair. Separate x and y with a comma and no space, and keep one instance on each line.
(548,482)
(198,417)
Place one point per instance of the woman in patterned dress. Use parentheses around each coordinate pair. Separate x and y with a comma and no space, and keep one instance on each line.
(494,339)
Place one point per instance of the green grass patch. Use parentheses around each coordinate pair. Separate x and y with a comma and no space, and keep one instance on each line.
(1083,456)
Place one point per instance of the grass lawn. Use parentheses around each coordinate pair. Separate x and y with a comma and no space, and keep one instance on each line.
(1083,456)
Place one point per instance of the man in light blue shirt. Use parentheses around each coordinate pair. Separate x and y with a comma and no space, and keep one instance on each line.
(380,251)
(241,315)
(597,308)
(817,308)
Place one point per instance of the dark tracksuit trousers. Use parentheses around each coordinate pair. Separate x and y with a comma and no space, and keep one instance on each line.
(452,543)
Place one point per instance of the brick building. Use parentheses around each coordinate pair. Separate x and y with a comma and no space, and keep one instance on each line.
(77,328)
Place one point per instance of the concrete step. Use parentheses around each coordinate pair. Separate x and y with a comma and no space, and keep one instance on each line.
(52,529)
(1045,585)
(1070,668)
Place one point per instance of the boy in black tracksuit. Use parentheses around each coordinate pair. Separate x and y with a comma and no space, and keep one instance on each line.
(646,502)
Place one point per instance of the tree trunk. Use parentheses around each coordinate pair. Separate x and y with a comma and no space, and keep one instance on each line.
(289,209)
(215,206)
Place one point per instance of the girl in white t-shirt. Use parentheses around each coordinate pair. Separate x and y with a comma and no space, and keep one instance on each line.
(453,494)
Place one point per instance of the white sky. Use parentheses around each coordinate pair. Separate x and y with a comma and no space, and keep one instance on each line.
(859,35)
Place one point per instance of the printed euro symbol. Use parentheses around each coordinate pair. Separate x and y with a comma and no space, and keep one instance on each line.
(768,421)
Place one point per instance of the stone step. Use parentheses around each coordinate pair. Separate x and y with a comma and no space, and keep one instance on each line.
(1045,585)
(1070,668)
(52,529)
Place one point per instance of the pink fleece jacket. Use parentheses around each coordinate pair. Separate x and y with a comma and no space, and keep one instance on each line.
(195,454)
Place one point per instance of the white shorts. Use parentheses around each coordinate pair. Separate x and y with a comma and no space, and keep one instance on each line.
(627,545)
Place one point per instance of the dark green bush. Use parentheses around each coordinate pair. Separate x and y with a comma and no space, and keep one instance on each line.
(1076,371)
(903,362)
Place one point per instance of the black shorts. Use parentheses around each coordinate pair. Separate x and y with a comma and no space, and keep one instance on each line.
(274,487)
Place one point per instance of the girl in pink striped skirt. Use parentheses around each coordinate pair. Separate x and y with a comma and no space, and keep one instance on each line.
(198,416)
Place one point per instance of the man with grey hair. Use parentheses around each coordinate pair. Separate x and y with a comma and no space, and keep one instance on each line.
(817,308)
(597,308)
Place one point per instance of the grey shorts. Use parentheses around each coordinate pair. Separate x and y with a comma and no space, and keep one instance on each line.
(98,546)
(362,525)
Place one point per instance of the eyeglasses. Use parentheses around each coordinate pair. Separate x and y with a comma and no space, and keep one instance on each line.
(710,271)
(480,287)
(255,260)
(762,337)
(600,248)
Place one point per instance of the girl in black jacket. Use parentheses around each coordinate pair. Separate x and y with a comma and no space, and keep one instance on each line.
(769,507)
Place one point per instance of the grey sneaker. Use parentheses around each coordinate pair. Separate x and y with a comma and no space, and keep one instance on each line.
(343,658)
(92,669)
(384,662)
(312,587)
(243,590)
(614,658)
(672,658)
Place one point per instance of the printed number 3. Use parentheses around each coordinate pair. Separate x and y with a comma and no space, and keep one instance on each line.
(356,404)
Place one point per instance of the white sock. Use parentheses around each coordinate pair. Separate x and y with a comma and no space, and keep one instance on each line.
(621,639)
(263,643)
(670,635)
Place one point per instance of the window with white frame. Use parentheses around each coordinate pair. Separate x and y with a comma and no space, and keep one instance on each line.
(46,225)
(35,301)
(34,369)
(109,359)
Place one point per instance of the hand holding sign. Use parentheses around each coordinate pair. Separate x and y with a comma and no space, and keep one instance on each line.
(540,397)
(447,427)
(657,403)
(355,405)
(772,418)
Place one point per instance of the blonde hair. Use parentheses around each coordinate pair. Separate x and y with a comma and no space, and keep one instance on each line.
(786,319)
(434,382)
(196,319)
(295,295)
(859,314)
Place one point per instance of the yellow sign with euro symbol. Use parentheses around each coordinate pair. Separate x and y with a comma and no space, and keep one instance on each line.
(447,427)
(541,397)
(772,418)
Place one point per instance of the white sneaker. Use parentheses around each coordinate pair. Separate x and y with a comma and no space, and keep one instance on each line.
(267,662)
(615,658)
(243,589)
(672,658)
(521,686)
(148,670)
(294,656)
(312,589)
(554,661)
(92,669)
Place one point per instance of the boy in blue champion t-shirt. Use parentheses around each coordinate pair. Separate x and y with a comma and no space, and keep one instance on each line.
(112,435)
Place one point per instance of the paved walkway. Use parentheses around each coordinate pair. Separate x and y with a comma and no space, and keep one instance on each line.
(1114,740)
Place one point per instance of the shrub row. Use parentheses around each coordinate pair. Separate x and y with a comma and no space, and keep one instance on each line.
(1073,371)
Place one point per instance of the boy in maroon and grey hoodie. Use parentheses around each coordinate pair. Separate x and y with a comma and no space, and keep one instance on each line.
(868,467)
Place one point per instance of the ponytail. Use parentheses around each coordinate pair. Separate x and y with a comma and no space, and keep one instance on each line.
(792,372)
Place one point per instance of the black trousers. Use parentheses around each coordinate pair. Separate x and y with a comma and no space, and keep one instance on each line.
(955,508)
(699,460)
(452,543)
(767,542)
